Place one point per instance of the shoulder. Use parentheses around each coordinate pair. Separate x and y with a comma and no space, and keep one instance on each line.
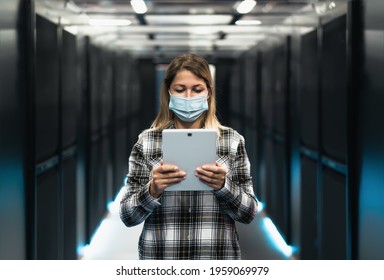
(228,133)
(230,141)
(154,133)
(148,140)
(149,143)
(151,134)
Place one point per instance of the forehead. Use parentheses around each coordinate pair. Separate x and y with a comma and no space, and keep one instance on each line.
(185,77)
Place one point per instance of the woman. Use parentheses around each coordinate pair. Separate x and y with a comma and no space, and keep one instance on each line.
(188,224)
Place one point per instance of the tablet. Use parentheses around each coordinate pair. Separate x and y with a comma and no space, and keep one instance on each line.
(188,149)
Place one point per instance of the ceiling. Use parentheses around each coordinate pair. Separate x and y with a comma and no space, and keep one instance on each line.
(171,26)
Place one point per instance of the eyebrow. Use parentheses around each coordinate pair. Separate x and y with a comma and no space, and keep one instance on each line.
(192,86)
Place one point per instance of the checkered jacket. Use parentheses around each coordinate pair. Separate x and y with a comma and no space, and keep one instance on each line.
(189,225)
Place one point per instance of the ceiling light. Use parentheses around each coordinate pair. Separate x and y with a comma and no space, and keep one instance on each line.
(323,7)
(246,6)
(139,6)
(248,22)
(109,22)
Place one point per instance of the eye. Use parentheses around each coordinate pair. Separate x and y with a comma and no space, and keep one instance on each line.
(179,90)
(199,90)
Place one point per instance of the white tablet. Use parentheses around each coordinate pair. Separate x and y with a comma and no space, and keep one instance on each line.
(188,149)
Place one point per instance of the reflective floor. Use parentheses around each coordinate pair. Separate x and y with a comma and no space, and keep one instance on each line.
(114,241)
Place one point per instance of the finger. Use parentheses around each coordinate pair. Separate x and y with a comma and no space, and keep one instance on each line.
(211,183)
(165,168)
(214,169)
(211,177)
(212,173)
(170,182)
(169,175)
(164,183)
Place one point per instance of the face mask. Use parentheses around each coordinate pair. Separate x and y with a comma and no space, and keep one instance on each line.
(188,109)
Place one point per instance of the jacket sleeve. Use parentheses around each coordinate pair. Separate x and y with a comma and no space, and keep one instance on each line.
(137,203)
(237,197)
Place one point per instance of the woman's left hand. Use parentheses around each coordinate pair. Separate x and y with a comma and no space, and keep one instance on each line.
(212,175)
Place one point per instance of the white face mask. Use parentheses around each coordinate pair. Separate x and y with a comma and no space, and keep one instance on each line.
(188,109)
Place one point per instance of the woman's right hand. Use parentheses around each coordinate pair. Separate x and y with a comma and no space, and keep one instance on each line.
(165,176)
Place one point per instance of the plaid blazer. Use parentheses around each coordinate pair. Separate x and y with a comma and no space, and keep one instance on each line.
(189,225)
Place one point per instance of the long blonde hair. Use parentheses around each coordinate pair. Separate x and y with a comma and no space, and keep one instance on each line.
(200,68)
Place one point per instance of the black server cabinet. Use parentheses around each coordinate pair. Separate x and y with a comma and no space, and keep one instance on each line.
(57,111)
(48,189)
(334,90)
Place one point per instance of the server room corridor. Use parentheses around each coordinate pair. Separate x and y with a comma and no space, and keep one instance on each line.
(301,80)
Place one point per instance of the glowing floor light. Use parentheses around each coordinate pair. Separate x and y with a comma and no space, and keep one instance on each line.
(102,232)
(276,237)
(113,206)
(260,207)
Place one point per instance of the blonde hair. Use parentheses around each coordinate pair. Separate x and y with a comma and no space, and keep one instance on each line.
(200,68)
